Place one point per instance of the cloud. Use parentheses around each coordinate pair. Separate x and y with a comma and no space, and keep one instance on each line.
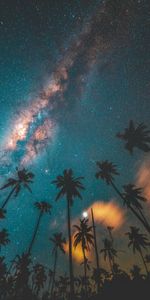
(105,214)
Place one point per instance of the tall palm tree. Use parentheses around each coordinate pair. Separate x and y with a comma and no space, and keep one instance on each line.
(136,137)
(69,186)
(50,278)
(58,242)
(134,198)
(138,241)
(84,237)
(23,179)
(43,207)
(109,253)
(106,171)
(4,238)
(96,249)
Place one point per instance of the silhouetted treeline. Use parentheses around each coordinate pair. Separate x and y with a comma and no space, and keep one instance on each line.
(22,279)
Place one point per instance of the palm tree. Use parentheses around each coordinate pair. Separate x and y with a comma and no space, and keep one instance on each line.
(2,213)
(58,242)
(22,272)
(106,171)
(50,277)
(109,253)
(133,198)
(110,228)
(84,237)
(136,137)
(138,241)
(43,207)
(3,267)
(63,283)
(69,186)
(147,258)
(4,238)
(136,272)
(96,249)
(39,278)
(99,276)
(23,179)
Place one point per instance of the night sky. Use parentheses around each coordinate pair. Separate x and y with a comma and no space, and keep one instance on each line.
(97,53)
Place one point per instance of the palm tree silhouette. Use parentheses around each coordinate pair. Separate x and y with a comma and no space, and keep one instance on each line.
(50,278)
(63,283)
(84,237)
(96,249)
(69,186)
(110,228)
(138,241)
(22,272)
(147,258)
(109,253)
(136,272)
(23,179)
(43,207)
(2,213)
(39,278)
(4,238)
(134,198)
(58,242)
(136,137)
(99,276)
(106,171)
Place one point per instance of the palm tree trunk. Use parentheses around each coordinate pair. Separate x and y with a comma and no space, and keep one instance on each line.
(142,215)
(111,265)
(35,233)
(11,266)
(145,224)
(49,284)
(54,273)
(8,197)
(85,270)
(95,247)
(70,250)
(141,254)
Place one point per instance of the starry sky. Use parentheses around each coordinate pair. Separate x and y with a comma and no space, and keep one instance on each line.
(96,54)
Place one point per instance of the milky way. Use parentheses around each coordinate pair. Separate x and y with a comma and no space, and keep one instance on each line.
(35,125)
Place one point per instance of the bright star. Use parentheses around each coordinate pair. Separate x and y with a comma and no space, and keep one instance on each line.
(85,214)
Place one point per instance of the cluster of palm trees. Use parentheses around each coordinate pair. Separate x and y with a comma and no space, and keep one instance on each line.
(23,279)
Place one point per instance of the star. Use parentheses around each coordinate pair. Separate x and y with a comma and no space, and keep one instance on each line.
(85,214)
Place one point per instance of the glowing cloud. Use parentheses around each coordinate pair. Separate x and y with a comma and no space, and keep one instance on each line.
(105,214)
(77,252)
